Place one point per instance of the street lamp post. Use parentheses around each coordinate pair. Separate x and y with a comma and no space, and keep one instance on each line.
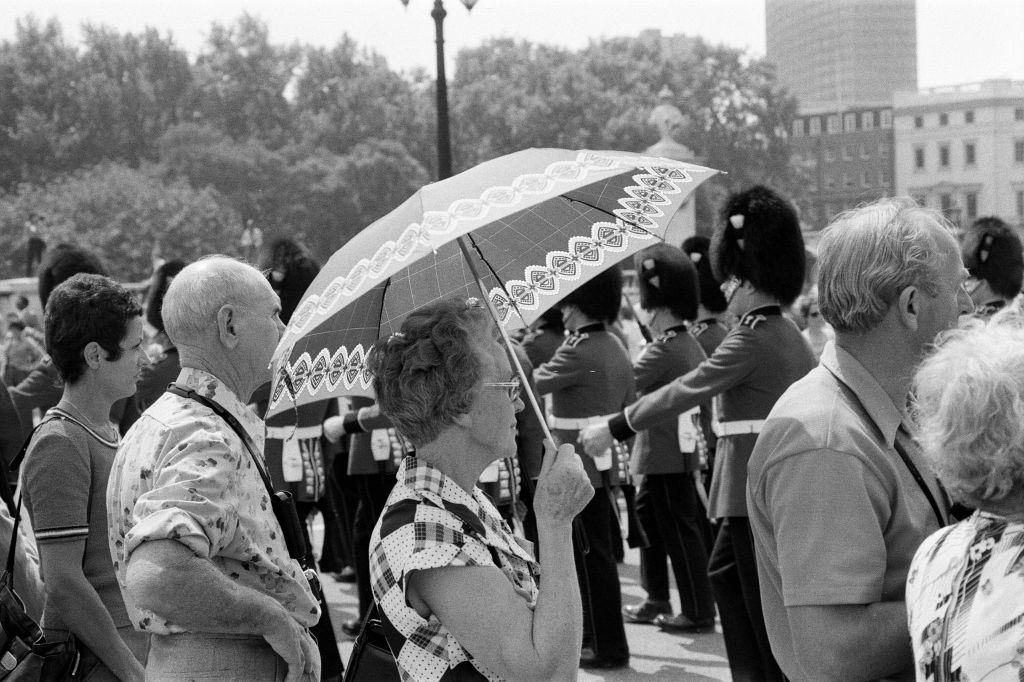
(444,137)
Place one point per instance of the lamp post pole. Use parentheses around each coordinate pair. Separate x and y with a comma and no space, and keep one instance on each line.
(444,138)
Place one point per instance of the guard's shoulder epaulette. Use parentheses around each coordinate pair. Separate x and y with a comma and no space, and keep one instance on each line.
(665,337)
(699,328)
(751,320)
(575,339)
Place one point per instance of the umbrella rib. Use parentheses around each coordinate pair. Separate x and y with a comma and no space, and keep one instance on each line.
(501,283)
(610,215)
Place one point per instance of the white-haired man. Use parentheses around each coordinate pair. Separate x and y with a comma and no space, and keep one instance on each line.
(838,494)
(199,555)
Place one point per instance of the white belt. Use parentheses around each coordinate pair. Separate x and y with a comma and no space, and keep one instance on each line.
(300,432)
(574,423)
(738,427)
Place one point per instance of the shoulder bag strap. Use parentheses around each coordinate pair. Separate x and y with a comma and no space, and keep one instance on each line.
(21,494)
(231,421)
(905,456)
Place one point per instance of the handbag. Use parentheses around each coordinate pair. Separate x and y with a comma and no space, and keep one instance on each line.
(24,652)
(371,657)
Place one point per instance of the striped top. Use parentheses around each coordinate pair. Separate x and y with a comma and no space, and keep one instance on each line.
(64,481)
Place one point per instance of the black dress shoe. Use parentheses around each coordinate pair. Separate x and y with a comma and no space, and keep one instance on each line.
(680,623)
(351,627)
(646,611)
(599,663)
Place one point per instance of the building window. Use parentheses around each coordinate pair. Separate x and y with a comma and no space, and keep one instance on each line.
(919,121)
(864,153)
(1018,151)
(1018,114)
(847,153)
(830,182)
(867,120)
(885,118)
(921,199)
(865,179)
(945,202)
(798,127)
(969,116)
(971,205)
(815,126)
(883,149)
(832,124)
(943,156)
(883,177)
(969,153)
(919,158)
(943,119)
(849,122)
(847,180)
(830,155)
(1020,203)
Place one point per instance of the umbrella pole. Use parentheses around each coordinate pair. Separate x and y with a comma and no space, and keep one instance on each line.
(525,387)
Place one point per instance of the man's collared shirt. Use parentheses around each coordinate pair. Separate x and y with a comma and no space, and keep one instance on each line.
(181,473)
(835,513)
(432,522)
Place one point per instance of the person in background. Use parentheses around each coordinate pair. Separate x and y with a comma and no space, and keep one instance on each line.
(668,504)
(94,336)
(591,375)
(41,388)
(544,337)
(456,590)
(759,252)
(965,589)
(28,317)
(19,352)
(164,365)
(839,495)
(290,270)
(200,557)
(991,251)
(816,330)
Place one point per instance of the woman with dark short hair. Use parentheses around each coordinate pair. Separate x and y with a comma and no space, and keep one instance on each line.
(457,591)
(94,336)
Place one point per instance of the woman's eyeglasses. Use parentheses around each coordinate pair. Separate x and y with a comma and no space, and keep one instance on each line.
(511,386)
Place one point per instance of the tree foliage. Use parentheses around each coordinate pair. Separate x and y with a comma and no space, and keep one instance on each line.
(316,143)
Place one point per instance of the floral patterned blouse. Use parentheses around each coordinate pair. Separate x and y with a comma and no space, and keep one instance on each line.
(181,473)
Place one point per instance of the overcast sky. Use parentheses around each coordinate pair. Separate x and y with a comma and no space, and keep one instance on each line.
(958,40)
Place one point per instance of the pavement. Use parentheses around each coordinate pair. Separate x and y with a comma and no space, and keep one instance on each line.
(655,655)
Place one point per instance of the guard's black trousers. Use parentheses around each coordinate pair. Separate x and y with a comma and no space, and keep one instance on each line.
(733,572)
(676,523)
(599,582)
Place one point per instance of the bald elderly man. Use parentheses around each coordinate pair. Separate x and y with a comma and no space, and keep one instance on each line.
(199,555)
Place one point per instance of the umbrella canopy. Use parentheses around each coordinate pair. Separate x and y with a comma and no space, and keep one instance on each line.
(539,223)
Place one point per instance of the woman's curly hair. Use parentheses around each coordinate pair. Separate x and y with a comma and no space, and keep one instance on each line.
(969,406)
(429,372)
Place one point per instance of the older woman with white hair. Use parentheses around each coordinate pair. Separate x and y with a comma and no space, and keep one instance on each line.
(965,589)
(457,591)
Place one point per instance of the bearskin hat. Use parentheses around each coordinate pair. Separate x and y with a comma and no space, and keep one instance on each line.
(62,262)
(992,251)
(697,248)
(158,288)
(667,279)
(759,241)
(599,298)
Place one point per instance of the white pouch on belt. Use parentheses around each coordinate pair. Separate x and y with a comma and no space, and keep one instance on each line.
(687,430)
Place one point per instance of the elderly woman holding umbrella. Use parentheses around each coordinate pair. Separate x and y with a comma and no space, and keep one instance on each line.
(457,591)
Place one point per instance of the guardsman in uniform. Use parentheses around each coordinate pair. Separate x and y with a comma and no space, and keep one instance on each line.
(591,375)
(544,337)
(992,255)
(758,252)
(667,455)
